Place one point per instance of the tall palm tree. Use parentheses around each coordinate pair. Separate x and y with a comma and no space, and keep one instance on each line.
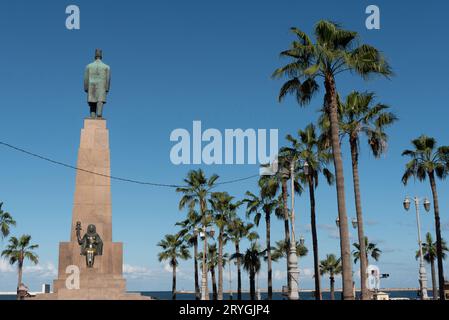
(252,264)
(264,205)
(239,230)
(429,161)
(224,210)
(17,251)
(429,249)
(332,266)
(371,251)
(174,248)
(315,156)
(360,117)
(335,51)
(6,221)
(190,233)
(195,194)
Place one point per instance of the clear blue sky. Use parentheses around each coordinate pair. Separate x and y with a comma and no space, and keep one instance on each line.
(179,61)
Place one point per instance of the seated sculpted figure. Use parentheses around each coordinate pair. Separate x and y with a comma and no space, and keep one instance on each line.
(91,243)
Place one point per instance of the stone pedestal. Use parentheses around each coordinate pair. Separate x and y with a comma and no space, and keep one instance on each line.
(92,205)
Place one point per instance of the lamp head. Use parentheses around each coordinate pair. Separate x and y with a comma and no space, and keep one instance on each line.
(427,204)
(306,168)
(354,223)
(406,203)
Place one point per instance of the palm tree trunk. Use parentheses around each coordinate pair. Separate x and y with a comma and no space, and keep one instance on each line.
(358,209)
(19,280)
(214,283)
(195,261)
(239,272)
(434,280)
(332,288)
(331,107)
(220,265)
(173,288)
(316,261)
(270,271)
(204,271)
(286,225)
(438,234)
(252,285)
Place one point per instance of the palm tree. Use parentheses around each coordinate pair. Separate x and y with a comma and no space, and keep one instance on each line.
(19,250)
(212,263)
(6,221)
(239,230)
(429,249)
(174,248)
(315,157)
(371,251)
(195,194)
(224,210)
(359,116)
(251,263)
(429,161)
(334,52)
(190,233)
(281,250)
(333,267)
(282,210)
(265,204)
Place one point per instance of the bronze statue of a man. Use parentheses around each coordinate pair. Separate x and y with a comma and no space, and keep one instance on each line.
(97,79)
(91,243)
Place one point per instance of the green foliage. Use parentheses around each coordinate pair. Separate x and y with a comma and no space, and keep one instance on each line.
(19,249)
(174,248)
(371,250)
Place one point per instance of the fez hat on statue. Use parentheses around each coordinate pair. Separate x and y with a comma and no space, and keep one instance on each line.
(98,54)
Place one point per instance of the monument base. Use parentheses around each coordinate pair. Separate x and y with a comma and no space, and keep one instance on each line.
(92,205)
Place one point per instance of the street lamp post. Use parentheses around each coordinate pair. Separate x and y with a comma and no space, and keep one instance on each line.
(422,269)
(293,270)
(204,289)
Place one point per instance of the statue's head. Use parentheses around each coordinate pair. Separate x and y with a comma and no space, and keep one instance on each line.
(98,54)
(91,229)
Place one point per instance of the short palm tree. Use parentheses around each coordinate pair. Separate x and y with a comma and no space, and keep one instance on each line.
(359,116)
(212,264)
(189,231)
(6,221)
(252,264)
(315,157)
(174,248)
(429,249)
(428,160)
(371,251)
(195,194)
(224,210)
(237,231)
(281,250)
(282,211)
(332,266)
(335,51)
(264,205)
(18,250)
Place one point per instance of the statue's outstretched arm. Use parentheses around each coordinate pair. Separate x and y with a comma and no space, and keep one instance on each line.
(78,233)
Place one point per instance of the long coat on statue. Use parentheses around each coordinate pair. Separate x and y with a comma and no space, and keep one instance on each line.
(97,79)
